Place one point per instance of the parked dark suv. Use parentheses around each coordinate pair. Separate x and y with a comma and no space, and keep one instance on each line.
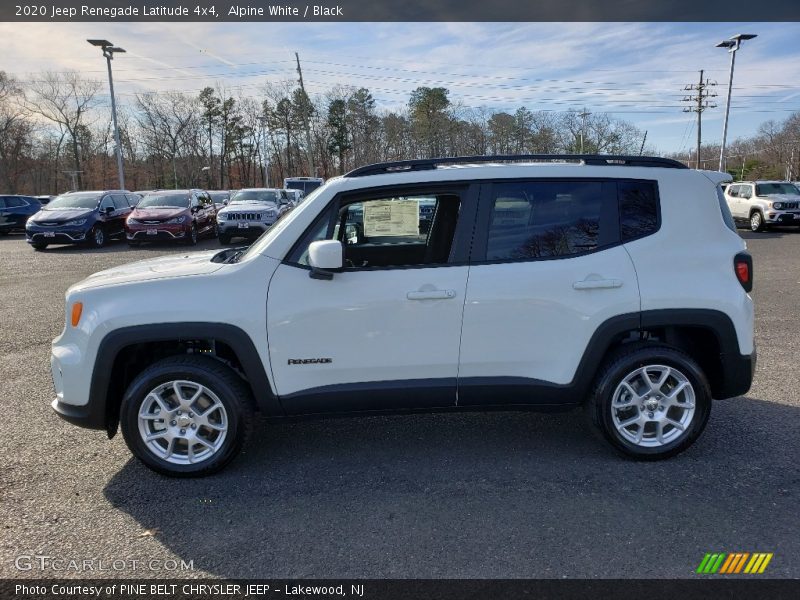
(81,217)
(15,212)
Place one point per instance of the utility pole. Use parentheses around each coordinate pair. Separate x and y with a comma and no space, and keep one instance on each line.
(732,45)
(644,139)
(701,102)
(583,116)
(73,175)
(310,150)
(265,150)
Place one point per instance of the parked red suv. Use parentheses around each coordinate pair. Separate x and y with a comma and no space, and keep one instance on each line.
(172,215)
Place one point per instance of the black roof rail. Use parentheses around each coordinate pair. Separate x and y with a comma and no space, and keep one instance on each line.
(427,164)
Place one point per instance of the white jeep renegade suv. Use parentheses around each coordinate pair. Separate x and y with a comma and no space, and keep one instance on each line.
(761,204)
(537,282)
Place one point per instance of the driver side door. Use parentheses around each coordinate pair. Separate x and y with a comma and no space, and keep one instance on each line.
(384,332)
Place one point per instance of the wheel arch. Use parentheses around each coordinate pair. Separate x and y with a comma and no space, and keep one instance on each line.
(707,335)
(124,353)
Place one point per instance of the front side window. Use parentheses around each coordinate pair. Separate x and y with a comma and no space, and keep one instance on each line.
(106,203)
(390,231)
(12,202)
(531,220)
(120,201)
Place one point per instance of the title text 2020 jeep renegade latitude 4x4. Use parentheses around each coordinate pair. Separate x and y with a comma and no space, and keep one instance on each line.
(535,284)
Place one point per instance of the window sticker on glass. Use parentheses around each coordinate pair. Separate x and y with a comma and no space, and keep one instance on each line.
(391,218)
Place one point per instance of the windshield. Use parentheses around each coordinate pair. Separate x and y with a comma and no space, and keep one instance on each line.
(305,186)
(75,201)
(164,201)
(255,196)
(258,246)
(767,189)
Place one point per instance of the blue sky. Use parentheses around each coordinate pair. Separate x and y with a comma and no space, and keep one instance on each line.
(635,71)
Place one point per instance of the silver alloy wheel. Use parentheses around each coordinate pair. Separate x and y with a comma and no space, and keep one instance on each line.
(755,221)
(193,234)
(99,236)
(183,422)
(653,406)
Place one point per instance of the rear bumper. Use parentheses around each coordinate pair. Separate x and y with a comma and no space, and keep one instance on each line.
(737,374)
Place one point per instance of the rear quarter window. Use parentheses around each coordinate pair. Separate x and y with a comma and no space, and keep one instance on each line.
(639,213)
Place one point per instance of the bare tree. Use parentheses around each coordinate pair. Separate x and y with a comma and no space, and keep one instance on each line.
(66,99)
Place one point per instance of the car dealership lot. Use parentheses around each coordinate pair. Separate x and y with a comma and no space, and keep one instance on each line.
(466,495)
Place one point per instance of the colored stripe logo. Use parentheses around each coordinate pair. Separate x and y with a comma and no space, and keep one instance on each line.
(734,563)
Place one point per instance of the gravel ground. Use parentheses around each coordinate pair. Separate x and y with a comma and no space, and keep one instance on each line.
(466,495)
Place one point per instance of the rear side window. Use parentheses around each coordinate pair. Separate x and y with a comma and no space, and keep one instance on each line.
(120,201)
(546,219)
(725,210)
(638,209)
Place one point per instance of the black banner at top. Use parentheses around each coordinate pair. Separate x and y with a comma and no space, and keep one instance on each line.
(400,10)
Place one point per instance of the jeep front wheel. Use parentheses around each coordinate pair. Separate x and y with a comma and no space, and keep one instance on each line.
(756,222)
(186,416)
(651,402)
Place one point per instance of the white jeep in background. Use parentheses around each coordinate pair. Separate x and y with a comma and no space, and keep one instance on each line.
(760,204)
(523,282)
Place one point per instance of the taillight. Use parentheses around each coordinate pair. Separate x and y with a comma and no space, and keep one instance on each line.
(743,266)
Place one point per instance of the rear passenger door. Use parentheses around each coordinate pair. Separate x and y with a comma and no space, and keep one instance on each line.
(547,269)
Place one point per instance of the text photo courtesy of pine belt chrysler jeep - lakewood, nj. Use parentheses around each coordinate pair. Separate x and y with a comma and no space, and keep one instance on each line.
(523,282)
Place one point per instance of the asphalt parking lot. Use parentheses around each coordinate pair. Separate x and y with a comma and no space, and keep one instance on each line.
(469,495)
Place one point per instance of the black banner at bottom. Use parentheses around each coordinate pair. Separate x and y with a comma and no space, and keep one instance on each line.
(400,589)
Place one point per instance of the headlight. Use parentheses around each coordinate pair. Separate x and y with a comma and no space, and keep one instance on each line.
(176,220)
(133,221)
(75,223)
(777,205)
(221,216)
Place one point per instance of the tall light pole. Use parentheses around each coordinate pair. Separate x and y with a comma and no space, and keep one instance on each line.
(732,44)
(108,52)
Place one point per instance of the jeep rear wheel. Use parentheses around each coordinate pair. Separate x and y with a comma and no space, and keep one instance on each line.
(651,402)
(756,221)
(186,416)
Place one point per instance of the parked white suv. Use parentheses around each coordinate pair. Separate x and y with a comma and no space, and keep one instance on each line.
(760,204)
(250,212)
(534,285)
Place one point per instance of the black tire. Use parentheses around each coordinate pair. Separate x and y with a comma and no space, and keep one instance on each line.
(615,370)
(191,238)
(229,388)
(757,222)
(224,239)
(97,237)
(39,245)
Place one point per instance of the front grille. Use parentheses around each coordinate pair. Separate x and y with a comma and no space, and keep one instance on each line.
(49,223)
(244,216)
(150,222)
(789,204)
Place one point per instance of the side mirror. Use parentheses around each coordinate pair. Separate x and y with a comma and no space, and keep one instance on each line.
(225,202)
(325,256)
(109,210)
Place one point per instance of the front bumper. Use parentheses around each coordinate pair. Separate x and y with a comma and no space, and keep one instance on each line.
(233,229)
(777,217)
(55,235)
(153,234)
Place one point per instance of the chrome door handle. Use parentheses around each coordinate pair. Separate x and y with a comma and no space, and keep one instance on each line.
(597,284)
(431,295)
